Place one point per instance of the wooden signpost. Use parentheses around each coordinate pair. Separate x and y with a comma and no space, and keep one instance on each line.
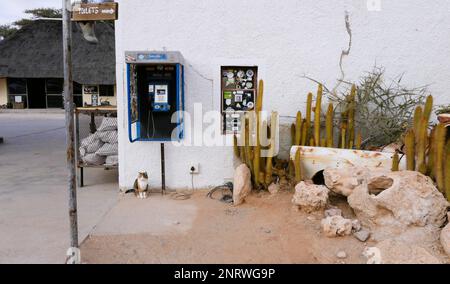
(95,12)
(83,12)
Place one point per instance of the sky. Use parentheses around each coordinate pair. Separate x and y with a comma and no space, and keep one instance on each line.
(12,10)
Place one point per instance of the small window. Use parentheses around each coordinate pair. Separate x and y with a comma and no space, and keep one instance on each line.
(54,86)
(107,90)
(17,86)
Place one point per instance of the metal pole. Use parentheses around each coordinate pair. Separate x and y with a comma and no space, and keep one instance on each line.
(163,170)
(69,115)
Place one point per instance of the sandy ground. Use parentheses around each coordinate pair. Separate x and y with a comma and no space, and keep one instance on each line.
(266,229)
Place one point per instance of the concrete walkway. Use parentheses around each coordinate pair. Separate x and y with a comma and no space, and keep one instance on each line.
(34,225)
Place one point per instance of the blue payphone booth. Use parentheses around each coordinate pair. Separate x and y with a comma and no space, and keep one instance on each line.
(155,81)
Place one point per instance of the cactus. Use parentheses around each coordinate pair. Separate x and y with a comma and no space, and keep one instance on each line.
(343,130)
(242,154)
(258,175)
(268,172)
(431,154)
(291,169)
(256,163)
(307,124)
(329,126)
(428,108)
(305,129)
(298,167)
(410,152)
(439,158)
(418,113)
(351,117)
(235,147)
(343,135)
(395,162)
(247,149)
(293,134)
(447,170)
(259,99)
(317,111)
(421,138)
(298,129)
(358,140)
(262,159)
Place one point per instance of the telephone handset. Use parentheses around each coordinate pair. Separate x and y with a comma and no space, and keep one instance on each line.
(159,97)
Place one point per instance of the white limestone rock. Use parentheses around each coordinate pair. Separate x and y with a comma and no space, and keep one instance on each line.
(274,188)
(242,185)
(373,255)
(445,239)
(335,226)
(310,197)
(341,254)
(344,180)
(409,206)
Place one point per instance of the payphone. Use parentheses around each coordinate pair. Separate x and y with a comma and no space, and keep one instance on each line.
(159,96)
(155,95)
(238,89)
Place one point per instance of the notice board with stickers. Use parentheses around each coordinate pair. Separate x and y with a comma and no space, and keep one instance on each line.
(238,91)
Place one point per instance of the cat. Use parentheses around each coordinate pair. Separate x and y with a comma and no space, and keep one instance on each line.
(140,187)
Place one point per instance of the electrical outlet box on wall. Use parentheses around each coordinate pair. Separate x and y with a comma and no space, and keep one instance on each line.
(194,168)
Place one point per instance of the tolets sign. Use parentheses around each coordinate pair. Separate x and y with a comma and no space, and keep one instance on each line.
(95,12)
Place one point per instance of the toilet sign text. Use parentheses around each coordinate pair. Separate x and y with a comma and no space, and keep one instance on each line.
(95,12)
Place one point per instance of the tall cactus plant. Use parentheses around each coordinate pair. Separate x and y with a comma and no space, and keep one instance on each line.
(293,126)
(410,151)
(439,158)
(418,114)
(257,148)
(298,167)
(447,170)
(395,162)
(329,126)
(317,111)
(421,140)
(298,129)
(269,160)
(428,108)
(237,152)
(358,142)
(343,135)
(431,154)
(307,125)
(351,117)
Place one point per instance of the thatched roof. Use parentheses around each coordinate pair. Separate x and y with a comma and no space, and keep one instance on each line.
(36,51)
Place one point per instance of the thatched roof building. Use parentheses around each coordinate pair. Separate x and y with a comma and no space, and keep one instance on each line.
(36,51)
(31,66)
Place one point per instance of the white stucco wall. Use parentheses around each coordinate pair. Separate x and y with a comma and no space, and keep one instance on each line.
(286,39)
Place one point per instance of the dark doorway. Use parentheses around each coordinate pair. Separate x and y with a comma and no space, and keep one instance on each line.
(36,93)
